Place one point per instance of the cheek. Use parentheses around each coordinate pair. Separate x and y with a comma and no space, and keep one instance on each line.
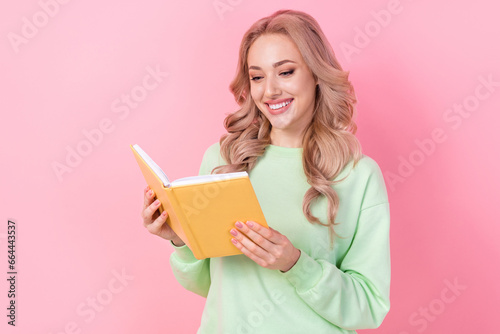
(256,94)
(307,89)
(291,87)
(298,87)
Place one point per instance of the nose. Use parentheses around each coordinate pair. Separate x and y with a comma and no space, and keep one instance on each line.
(272,88)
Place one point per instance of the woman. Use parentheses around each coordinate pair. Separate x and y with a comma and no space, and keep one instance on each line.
(324,263)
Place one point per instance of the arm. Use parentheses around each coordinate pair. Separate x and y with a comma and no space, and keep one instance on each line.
(354,295)
(191,273)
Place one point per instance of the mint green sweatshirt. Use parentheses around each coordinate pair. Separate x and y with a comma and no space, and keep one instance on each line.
(328,290)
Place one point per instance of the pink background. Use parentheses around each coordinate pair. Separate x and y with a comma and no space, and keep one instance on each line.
(78,231)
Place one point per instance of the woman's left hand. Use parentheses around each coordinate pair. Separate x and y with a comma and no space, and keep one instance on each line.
(265,246)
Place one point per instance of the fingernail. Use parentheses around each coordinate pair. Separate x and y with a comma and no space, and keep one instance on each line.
(157,202)
(234,241)
(239,225)
(164,213)
(250,224)
(150,192)
(233,232)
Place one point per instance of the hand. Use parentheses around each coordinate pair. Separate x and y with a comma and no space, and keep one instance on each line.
(154,222)
(265,246)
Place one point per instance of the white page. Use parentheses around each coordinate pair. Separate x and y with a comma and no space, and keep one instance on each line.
(185,180)
(207,178)
(156,169)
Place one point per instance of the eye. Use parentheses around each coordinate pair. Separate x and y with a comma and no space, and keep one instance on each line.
(287,73)
(256,78)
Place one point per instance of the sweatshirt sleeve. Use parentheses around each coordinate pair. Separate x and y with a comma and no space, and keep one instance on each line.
(191,273)
(354,295)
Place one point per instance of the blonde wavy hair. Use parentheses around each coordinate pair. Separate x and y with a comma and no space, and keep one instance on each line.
(329,141)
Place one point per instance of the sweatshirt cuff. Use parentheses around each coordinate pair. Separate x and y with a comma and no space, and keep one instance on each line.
(305,273)
(183,253)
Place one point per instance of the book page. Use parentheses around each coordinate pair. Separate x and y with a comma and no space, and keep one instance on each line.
(207,178)
(154,167)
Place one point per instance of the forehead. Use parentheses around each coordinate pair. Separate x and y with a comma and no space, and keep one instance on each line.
(271,48)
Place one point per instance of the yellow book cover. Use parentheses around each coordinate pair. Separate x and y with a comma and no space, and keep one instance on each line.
(203,209)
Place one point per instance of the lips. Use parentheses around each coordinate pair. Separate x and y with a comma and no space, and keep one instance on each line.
(276,107)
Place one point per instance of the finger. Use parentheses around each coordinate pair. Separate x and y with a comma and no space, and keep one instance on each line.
(149,196)
(156,225)
(256,237)
(249,245)
(269,234)
(257,259)
(149,211)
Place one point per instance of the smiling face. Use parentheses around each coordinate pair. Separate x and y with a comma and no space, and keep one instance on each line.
(282,86)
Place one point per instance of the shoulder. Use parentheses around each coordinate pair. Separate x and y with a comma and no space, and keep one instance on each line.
(368,178)
(213,148)
(367,165)
(364,168)
(212,152)
(211,159)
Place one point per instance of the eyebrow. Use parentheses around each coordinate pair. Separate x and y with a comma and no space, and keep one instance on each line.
(281,62)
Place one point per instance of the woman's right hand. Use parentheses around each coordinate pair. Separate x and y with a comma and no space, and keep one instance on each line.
(154,222)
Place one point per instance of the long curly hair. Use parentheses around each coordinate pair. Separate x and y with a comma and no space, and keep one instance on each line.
(329,141)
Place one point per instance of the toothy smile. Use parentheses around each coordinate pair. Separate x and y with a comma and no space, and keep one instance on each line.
(279,105)
(276,107)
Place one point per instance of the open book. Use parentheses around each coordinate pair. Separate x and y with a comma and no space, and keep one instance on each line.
(203,209)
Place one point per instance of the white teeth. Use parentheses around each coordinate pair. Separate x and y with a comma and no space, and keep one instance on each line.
(279,105)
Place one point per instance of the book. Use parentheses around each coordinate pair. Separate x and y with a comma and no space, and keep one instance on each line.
(203,209)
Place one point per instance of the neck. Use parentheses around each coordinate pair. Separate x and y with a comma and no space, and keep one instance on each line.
(284,139)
